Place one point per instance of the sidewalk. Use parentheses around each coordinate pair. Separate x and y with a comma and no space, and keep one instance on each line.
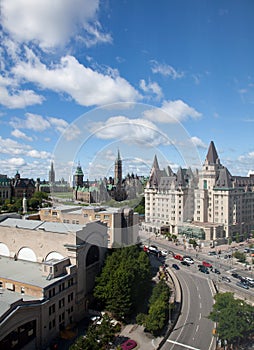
(144,340)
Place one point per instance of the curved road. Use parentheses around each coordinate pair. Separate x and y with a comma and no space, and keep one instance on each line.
(193,330)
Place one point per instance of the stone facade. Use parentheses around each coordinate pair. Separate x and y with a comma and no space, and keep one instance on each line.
(210,204)
(47,273)
(122,223)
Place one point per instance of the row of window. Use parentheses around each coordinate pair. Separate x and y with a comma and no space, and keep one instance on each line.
(61,287)
(61,304)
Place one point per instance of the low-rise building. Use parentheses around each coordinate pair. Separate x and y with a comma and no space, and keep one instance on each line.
(47,272)
(122,223)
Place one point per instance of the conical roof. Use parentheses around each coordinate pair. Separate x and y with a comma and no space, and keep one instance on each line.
(212,155)
(155,163)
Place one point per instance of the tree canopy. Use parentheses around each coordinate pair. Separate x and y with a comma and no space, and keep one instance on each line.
(234,318)
(124,281)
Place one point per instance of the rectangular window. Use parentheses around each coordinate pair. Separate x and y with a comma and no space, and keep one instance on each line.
(61,303)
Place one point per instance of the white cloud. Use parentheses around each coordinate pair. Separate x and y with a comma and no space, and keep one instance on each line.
(52,24)
(21,135)
(172,112)
(33,122)
(12,147)
(9,146)
(12,97)
(38,123)
(38,154)
(151,87)
(16,161)
(198,142)
(86,86)
(59,124)
(130,131)
(165,69)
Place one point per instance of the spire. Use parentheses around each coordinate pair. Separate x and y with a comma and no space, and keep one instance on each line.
(155,163)
(212,156)
(118,155)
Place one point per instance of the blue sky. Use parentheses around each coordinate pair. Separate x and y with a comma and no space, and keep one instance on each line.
(82,79)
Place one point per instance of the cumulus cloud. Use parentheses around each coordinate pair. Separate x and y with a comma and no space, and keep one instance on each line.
(39,123)
(12,147)
(18,98)
(130,131)
(33,122)
(86,86)
(38,154)
(198,142)
(21,135)
(151,87)
(17,161)
(50,25)
(165,70)
(172,112)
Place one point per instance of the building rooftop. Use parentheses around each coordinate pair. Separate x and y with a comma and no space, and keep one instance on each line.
(57,227)
(26,272)
(7,298)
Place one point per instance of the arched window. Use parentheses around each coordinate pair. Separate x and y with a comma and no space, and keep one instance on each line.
(4,250)
(27,254)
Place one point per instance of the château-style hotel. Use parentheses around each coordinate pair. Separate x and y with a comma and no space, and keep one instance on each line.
(210,204)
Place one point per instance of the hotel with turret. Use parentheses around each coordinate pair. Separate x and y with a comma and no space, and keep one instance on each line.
(209,205)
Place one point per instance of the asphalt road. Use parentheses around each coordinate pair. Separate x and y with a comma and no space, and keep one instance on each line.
(193,330)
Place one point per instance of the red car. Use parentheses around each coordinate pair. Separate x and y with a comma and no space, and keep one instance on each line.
(178,257)
(207,264)
(129,344)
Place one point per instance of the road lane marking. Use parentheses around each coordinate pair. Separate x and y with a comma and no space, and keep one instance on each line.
(199,296)
(183,345)
(197,328)
(200,304)
(200,316)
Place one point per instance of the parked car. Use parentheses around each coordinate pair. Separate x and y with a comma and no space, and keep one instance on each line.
(246,250)
(178,257)
(185,263)
(226,279)
(203,269)
(152,248)
(235,275)
(164,252)
(215,271)
(129,344)
(188,260)
(207,264)
(175,266)
(212,253)
(242,285)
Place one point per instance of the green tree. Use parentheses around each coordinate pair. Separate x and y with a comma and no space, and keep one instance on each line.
(123,280)
(98,336)
(240,256)
(234,318)
(158,312)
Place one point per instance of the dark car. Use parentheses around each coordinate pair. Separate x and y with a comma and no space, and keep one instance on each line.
(226,279)
(235,275)
(175,266)
(185,263)
(242,285)
(216,271)
(203,269)
(129,344)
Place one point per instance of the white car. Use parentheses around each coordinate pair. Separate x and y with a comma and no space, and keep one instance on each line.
(188,260)
(164,252)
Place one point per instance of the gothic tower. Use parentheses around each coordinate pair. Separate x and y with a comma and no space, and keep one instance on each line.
(79,176)
(118,170)
(52,178)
